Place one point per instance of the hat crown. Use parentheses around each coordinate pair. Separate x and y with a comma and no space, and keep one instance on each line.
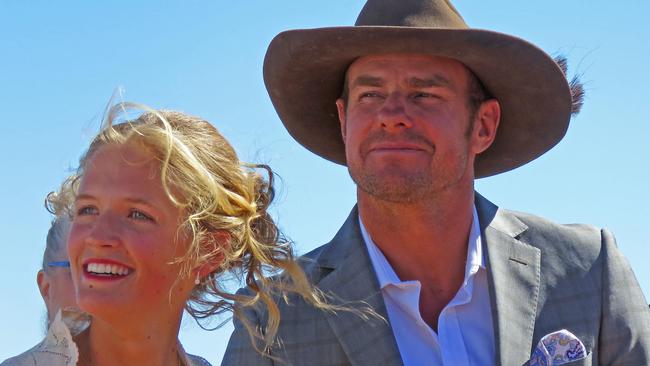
(410,13)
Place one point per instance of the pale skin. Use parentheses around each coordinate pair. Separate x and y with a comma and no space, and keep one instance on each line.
(411,152)
(124,216)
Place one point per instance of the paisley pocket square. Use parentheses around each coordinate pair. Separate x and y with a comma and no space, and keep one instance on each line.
(558,348)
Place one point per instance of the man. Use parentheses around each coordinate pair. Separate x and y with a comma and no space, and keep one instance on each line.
(425,105)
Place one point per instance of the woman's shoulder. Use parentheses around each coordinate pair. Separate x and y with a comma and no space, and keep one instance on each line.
(40,355)
(27,358)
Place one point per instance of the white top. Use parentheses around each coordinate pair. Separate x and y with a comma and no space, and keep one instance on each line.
(465,330)
(58,347)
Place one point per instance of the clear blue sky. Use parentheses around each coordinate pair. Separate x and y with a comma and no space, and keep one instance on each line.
(62,60)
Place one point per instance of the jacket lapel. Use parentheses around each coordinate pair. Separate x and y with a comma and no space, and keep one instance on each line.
(352,279)
(513,280)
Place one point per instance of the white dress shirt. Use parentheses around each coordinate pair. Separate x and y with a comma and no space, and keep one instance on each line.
(465,330)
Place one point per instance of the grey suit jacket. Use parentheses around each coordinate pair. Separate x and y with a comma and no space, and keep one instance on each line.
(542,277)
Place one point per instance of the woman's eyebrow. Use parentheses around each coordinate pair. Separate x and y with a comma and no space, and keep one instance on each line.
(84,196)
(137,200)
(132,200)
(140,201)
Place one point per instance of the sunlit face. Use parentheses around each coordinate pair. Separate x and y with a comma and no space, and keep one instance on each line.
(124,236)
(407,125)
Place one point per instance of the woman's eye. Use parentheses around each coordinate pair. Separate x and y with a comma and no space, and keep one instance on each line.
(139,215)
(87,210)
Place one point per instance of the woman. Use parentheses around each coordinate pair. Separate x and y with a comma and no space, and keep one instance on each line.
(53,279)
(160,207)
(56,287)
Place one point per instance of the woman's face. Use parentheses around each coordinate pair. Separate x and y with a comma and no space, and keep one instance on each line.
(124,236)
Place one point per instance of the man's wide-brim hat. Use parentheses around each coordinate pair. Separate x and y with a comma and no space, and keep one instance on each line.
(304,72)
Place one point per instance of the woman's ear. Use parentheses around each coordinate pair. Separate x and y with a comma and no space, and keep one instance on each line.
(220,241)
(43,285)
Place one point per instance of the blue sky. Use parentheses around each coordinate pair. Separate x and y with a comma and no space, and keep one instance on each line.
(61,62)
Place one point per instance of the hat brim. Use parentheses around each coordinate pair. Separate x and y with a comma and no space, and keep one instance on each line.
(304,73)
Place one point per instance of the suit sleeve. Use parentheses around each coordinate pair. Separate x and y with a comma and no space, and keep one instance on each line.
(240,350)
(625,324)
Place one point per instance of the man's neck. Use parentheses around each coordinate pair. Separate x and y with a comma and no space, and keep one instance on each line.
(424,241)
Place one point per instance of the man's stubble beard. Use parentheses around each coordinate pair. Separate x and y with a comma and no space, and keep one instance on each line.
(412,187)
(397,184)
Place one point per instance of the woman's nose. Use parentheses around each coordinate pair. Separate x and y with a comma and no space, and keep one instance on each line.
(104,232)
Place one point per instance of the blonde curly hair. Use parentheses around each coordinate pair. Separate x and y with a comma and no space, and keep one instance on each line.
(202,174)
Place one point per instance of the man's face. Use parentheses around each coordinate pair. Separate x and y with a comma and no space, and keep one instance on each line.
(407,128)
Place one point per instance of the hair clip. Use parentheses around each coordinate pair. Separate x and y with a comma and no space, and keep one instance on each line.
(59,264)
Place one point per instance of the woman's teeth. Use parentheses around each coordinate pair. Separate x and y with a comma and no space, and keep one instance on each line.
(107,269)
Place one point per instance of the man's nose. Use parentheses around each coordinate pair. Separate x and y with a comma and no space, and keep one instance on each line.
(393,113)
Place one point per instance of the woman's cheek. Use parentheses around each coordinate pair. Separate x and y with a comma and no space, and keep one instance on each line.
(75,248)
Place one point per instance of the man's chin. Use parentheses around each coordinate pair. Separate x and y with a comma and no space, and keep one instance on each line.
(408,160)
(395,188)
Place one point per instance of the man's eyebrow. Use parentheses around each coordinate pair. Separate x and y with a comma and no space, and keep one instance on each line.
(367,80)
(434,81)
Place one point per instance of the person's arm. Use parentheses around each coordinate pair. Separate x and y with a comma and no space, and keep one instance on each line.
(625,324)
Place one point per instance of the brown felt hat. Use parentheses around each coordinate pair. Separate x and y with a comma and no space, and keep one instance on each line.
(304,72)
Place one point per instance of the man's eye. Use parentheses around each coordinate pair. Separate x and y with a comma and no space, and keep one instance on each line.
(87,210)
(369,95)
(424,95)
(139,215)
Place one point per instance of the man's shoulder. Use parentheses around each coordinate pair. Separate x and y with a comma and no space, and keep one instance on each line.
(347,243)
(542,226)
(575,243)
(585,285)
(314,264)
(195,360)
(539,231)
(315,253)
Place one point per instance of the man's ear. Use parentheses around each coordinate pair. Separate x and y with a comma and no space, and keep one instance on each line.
(43,285)
(486,122)
(340,107)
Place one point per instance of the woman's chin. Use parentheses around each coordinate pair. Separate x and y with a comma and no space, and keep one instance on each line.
(106,304)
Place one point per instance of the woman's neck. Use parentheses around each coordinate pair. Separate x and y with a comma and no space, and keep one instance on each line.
(105,344)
